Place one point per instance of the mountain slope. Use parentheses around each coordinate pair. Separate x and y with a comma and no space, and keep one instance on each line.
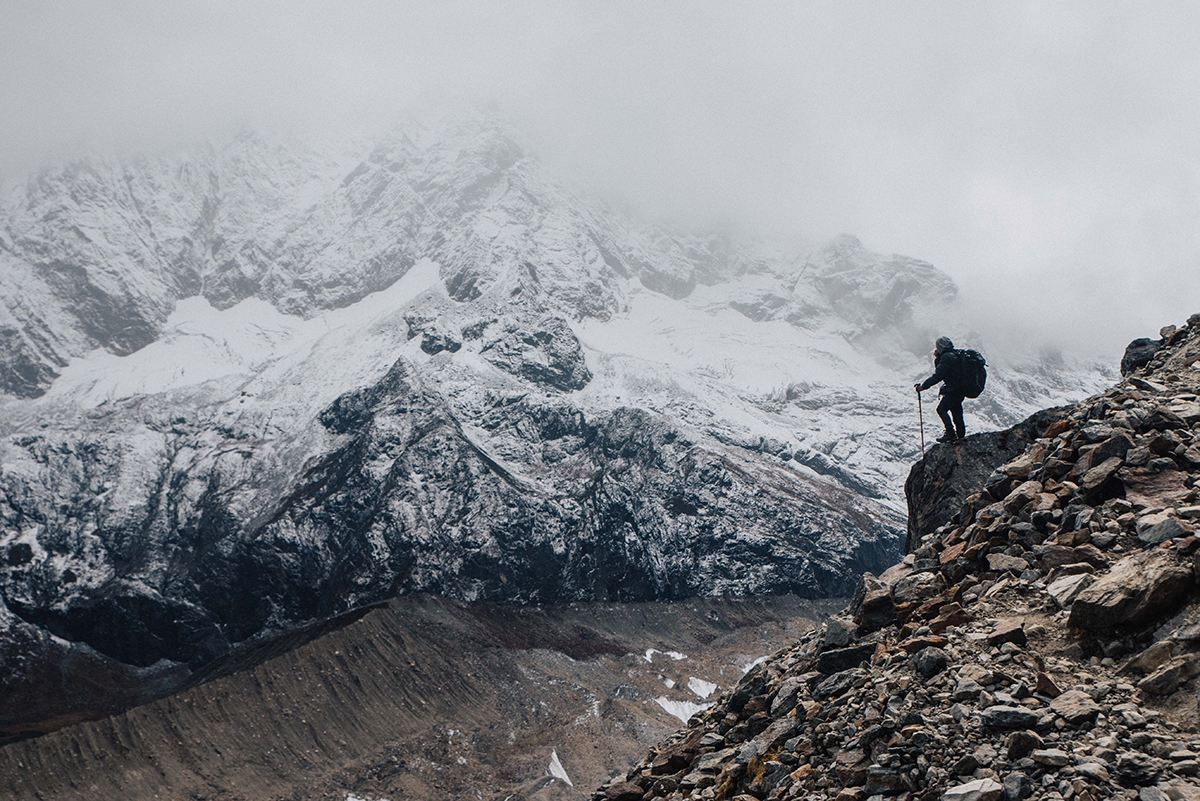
(256,386)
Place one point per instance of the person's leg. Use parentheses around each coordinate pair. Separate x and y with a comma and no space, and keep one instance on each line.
(943,410)
(956,411)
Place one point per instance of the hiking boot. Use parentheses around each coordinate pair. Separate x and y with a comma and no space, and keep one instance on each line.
(949,436)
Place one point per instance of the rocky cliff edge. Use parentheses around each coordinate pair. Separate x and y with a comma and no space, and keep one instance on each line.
(1039,641)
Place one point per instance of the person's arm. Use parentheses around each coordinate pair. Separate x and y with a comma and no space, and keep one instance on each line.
(938,370)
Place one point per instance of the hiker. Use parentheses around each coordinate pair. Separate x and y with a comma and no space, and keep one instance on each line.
(952,368)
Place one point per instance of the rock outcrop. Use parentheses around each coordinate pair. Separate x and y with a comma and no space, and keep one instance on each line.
(1039,643)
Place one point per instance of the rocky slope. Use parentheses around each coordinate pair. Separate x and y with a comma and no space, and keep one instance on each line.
(256,386)
(423,699)
(1040,642)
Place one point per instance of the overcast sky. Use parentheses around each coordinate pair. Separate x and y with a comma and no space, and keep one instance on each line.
(1046,155)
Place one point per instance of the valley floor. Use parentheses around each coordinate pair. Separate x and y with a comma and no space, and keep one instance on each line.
(426,699)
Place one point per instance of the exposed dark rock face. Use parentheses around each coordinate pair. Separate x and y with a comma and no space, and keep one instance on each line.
(544,352)
(1138,354)
(177,551)
(938,484)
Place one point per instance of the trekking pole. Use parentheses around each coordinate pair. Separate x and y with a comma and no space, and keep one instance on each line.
(921,417)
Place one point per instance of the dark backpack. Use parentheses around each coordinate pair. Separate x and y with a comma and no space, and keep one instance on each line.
(969,372)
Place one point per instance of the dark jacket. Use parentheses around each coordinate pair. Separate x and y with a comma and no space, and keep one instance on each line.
(945,369)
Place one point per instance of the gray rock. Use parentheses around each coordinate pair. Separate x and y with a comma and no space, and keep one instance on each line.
(918,587)
(835,685)
(1051,757)
(1021,744)
(544,352)
(1136,589)
(1153,529)
(1075,707)
(785,696)
(1166,679)
(1010,717)
(1094,772)
(978,790)
(965,689)
(929,662)
(1065,590)
(840,659)
(1017,786)
(837,633)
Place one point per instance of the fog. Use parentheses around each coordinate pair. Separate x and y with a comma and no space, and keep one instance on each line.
(1045,155)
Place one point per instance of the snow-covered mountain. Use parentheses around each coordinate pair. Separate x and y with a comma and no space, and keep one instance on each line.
(257,385)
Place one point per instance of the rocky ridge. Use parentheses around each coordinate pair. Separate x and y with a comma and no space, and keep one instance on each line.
(1040,642)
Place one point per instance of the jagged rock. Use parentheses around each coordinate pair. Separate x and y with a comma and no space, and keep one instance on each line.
(1075,707)
(838,632)
(1138,354)
(1065,590)
(1009,717)
(872,607)
(1046,686)
(1003,563)
(1155,528)
(978,790)
(837,660)
(785,697)
(1017,786)
(1094,772)
(917,587)
(966,689)
(1167,678)
(625,791)
(1011,630)
(1153,657)
(1021,744)
(1051,757)
(929,662)
(546,352)
(833,686)
(1136,589)
(938,485)
(1097,477)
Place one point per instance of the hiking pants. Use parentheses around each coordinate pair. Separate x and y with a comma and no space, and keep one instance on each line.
(951,407)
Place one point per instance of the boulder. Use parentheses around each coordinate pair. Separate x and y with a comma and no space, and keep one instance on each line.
(1003,563)
(918,587)
(839,659)
(1155,528)
(1010,630)
(977,790)
(1136,589)
(1075,707)
(1009,717)
(1095,479)
(929,662)
(1166,679)
(1138,354)
(873,607)
(1065,590)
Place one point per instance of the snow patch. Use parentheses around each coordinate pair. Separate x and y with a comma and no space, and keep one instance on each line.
(675,655)
(680,709)
(700,687)
(201,343)
(748,666)
(557,770)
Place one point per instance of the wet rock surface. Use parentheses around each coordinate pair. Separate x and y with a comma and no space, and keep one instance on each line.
(1071,677)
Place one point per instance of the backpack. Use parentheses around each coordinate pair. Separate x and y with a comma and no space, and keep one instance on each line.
(970,372)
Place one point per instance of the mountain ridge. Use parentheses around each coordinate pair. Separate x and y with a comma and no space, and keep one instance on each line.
(268,396)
